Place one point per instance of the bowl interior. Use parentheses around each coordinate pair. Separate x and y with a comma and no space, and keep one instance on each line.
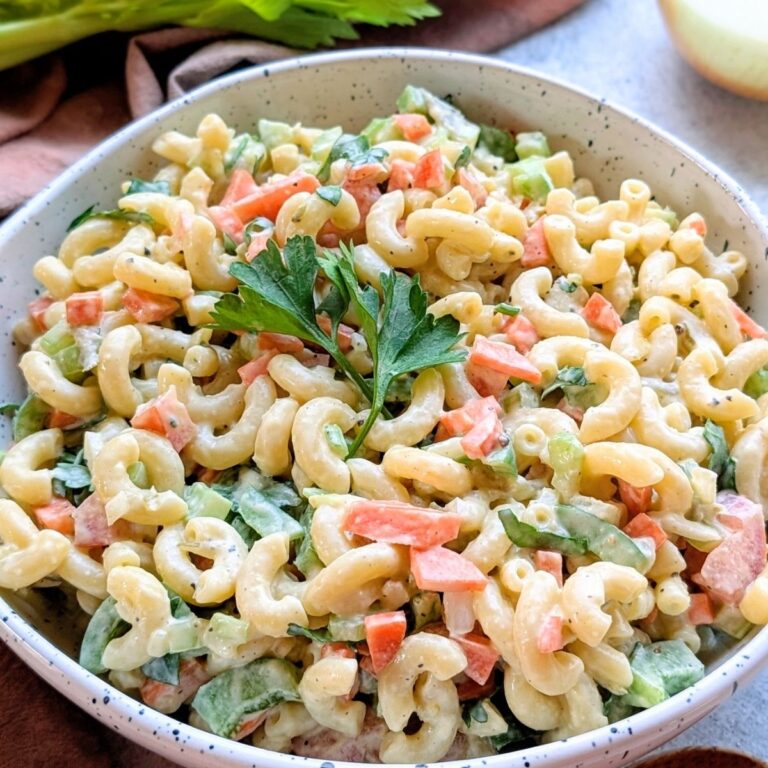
(607,146)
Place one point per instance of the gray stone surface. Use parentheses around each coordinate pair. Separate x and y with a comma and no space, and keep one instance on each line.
(619,49)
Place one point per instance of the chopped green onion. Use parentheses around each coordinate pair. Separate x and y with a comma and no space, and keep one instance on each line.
(507,309)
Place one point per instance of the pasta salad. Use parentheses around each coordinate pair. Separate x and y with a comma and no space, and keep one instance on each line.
(397,446)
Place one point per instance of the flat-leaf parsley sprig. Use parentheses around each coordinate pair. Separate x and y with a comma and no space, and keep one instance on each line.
(277,294)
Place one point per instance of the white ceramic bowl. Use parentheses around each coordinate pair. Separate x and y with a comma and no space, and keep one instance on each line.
(607,144)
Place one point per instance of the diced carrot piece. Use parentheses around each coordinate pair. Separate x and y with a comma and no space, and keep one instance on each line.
(481,656)
(600,314)
(384,633)
(521,332)
(167,416)
(282,342)
(343,334)
(396,522)
(551,562)
(400,175)
(241,184)
(84,308)
(429,171)
(368,174)
(441,433)
(488,383)
(227,222)
(413,126)
(268,199)
(535,249)
(37,310)
(574,411)
(460,420)
(258,367)
(146,307)
(635,499)
(550,635)
(483,437)
(57,515)
(248,725)
(60,420)
(473,186)
(701,610)
(469,690)
(168,698)
(258,244)
(441,570)
(92,528)
(696,222)
(746,324)
(341,650)
(643,525)
(503,358)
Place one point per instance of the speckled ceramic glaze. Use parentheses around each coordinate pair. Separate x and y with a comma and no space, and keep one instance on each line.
(607,145)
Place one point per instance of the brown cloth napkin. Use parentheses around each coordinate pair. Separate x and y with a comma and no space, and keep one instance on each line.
(53,110)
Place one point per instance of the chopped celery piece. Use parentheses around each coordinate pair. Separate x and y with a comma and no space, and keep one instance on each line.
(525,535)
(138,474)
(245,152)
(421,101)
(105,625)
(183,634)
(663,214)
(349,629)
(529,178)
(56,339)
(661,670)
(68,360)
(498,142)
(502,461)
(336,441)
(381,129)
(30,418)
(203,501)
(322,145)
(523,395)
(164,669)
(566,455)
(273,134)
(533,144)
(237,693)
(604,539)
(427,608)
(730,620)
(266,517)
(229,628)
(757,383)
(437,138)
(615,708)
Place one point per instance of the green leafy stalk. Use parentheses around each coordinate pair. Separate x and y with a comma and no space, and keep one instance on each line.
(402,336)
(34,27)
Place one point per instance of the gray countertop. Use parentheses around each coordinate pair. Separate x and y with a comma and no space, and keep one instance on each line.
(619,49)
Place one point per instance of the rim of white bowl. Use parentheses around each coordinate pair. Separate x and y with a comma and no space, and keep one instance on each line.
(96,696)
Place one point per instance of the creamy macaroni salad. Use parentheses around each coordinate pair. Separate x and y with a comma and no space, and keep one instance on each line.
(397,446)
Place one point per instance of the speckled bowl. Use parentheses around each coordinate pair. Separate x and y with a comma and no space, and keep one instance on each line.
(607,144)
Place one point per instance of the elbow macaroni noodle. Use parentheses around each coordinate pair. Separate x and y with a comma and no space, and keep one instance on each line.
(195,484)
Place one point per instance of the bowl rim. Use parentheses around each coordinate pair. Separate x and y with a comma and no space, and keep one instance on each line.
(44,657)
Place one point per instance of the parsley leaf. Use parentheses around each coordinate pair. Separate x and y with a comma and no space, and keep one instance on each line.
(570,376)
(355,149)
(164,669)
(318,635)
(278,296)
(565,285)
(720,460)
(463,159)
(71,478)
(402,336)
(139,185)
(117,214)
(330,194)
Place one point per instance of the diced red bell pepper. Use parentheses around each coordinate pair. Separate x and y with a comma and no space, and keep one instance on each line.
(600,314)
(282,342)
(635,499)
(521,332)
(551,562)
(643,525)
(413,126)
(429,172)
(268,199)
(442,570)
(92,528)
(84,308)
(343,334)
(473,186)
(483,437)
(384,633)
(400,175)
(57,515)
(701,609)
(503,358)
(550,635)
(167,416)
(227,222)
(37,310)
(60,420)
(535,249)
(258,367)
(460,420)
(241,184)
